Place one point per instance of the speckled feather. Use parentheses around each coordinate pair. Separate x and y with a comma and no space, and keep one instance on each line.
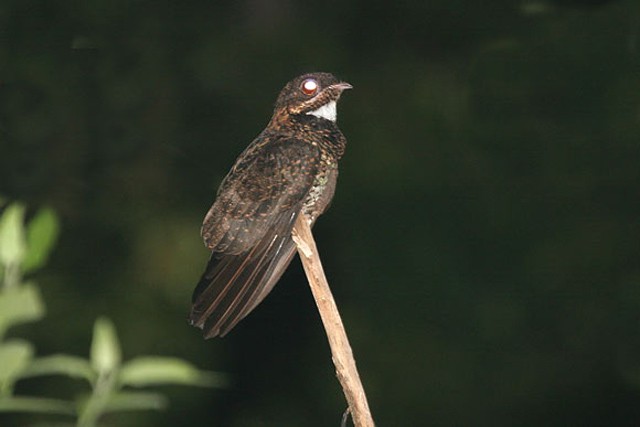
(288,170)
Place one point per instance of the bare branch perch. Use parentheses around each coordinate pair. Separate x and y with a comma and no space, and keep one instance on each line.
(341,353)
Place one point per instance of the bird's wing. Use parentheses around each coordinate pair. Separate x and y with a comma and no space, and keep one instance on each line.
(249,228)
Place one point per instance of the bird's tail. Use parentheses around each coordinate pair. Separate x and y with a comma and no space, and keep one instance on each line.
(233,285)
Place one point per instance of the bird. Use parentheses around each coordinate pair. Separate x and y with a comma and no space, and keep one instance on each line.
(289,169)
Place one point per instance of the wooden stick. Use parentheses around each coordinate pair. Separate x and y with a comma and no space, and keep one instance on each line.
(341,353)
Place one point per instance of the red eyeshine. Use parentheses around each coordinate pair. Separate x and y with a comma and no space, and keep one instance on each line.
(309,87)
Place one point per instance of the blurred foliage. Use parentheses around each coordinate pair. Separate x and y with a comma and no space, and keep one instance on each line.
(483,242)
(22,250)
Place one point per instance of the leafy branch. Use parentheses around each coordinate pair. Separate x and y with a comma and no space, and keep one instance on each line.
(112,382)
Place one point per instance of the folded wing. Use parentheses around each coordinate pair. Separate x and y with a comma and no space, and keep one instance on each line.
(248,229)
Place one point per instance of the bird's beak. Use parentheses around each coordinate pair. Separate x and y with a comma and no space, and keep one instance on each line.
(342,86)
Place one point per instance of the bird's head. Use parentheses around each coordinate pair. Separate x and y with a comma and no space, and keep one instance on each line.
(314,94)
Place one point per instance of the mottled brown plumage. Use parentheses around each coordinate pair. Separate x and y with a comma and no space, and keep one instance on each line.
(289,169)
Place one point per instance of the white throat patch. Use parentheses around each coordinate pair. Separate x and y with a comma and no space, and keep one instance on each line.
(327,111)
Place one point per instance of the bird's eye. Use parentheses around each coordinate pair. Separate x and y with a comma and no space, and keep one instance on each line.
(309,87)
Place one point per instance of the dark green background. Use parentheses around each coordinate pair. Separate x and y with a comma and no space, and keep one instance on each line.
(483,245)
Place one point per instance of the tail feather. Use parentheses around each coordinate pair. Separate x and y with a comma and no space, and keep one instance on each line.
(233,285)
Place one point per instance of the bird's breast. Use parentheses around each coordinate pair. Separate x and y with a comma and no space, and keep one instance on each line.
(321,192)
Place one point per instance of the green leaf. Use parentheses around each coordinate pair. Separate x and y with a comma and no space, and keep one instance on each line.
(105,348)
(36,404)
(60,364)
(20,305)
(135,401)
(15,355)
(42,233)
(12,238)
(146,371)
